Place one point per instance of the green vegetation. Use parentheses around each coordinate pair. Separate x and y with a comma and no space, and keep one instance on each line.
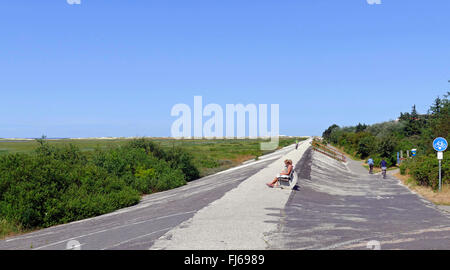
(410,131)
(209,156)
(8,228)
(49,182)
(56,185)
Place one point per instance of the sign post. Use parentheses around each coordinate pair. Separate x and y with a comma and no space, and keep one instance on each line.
(440,175)
(440,145)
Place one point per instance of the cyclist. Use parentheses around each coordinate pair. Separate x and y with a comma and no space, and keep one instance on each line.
(371,163)
(383,168)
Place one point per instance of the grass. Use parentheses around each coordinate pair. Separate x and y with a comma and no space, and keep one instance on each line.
(209,156)
(436,197)
(7,146)
(8,229)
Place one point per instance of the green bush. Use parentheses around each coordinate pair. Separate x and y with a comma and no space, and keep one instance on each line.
(180,159)
(366,146)
(61,184)
(177,158)
(386,147)
(425,170)
(403,169)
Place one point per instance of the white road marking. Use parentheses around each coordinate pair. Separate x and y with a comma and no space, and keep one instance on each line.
(29,236)
(113,228)
(142,236)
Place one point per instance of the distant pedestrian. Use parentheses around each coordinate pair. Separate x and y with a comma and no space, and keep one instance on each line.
(371,163)
(296,144)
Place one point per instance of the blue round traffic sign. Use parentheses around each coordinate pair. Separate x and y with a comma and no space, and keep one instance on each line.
(440,144)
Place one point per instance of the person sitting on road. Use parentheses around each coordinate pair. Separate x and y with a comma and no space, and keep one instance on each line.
(371,163)
(286,171)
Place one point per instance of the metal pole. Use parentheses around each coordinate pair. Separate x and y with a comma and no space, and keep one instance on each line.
(440,177)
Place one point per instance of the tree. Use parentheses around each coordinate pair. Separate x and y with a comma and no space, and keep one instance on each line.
(414,114)
(366,146)
(440,123)
(386,148)
(413,125)
(435,109)
(404,116)
(327,133)
(360,127)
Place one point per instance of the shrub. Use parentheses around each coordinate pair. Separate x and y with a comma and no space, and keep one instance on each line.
(180,159)
(366,146)
(425,170)
(207,162)
(61,184)
(403,169)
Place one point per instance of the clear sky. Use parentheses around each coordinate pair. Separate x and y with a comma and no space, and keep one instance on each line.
(116,67)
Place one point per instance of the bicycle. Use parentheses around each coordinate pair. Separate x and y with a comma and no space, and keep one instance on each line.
(383,172)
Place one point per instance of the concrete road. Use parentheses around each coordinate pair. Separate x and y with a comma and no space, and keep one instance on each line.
(139,226)
(241,219)
(341,206)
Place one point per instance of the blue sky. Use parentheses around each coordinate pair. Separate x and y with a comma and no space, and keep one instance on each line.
(116,68)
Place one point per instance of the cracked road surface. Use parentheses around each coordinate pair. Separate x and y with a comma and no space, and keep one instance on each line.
(341,206)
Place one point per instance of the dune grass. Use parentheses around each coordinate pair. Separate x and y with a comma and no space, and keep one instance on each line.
(9,229)
(436,197)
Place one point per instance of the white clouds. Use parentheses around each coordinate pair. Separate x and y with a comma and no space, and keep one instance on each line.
(371,2)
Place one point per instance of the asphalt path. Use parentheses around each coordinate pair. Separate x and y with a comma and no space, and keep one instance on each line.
(340,206)
(137,227)
(241,219)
